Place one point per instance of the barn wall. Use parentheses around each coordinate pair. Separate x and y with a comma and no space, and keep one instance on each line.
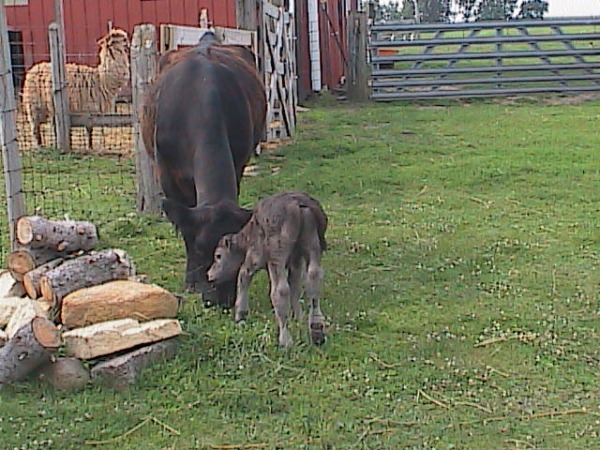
(87,20)
(332,27)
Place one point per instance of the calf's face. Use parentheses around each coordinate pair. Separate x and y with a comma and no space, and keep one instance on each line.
(227,261)
(201,227)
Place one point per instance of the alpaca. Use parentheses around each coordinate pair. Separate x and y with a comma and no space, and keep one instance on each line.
(90,89)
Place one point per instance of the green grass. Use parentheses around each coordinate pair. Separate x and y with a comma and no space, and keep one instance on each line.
(462,287)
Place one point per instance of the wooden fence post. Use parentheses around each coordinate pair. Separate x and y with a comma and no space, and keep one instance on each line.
(245,11)
(143,68)
(358,71)
(13,166)
(62,120)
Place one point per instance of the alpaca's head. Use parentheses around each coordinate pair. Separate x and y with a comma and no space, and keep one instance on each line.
(114,56)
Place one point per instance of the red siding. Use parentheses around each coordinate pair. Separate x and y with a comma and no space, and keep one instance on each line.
(332,36)
(87,20)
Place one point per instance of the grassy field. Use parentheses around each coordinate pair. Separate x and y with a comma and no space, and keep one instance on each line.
(462,290)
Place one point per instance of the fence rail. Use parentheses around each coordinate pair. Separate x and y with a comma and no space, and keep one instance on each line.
(484,58)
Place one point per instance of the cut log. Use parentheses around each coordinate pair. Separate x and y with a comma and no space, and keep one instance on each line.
(25,313)
(9,287)
(3,338)
(67,374)
(123,371)
(59,235)
(31,280)
(117,300)
(28,350)
(110,337)
(26,259)
(85,271)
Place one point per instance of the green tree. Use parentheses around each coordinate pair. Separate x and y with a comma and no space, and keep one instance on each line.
(492,10)
(430,11)
(534,9)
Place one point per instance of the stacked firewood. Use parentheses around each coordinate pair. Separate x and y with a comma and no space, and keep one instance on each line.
(60,297)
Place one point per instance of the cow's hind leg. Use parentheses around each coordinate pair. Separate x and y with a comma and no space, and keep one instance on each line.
(280,297)
(295,276)
(316,319)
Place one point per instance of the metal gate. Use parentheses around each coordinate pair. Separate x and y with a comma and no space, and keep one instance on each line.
(484,58)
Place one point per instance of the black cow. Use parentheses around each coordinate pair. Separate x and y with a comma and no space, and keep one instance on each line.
(203,118)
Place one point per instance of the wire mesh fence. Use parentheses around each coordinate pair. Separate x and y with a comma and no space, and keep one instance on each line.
(95,179)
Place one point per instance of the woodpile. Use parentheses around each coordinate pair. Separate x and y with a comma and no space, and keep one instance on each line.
(59,295)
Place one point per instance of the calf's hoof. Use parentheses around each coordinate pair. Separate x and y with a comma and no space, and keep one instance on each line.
(285,339)
(317,333)
(241,316)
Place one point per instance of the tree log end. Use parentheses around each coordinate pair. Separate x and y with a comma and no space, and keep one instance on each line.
(46,333)
(24,231)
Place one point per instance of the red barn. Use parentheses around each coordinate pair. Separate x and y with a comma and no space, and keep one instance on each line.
(320,64)
(323,65)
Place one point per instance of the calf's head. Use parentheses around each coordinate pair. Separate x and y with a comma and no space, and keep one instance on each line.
(201,227)
(228,259)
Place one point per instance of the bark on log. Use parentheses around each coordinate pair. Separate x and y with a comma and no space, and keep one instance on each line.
(67,374)
(117,300)
(26,311)
(9,287)
(110,337)
(28,350)
(123,371)
(26,259)
(59,235)
(31,280)
(3,338)
(85,271)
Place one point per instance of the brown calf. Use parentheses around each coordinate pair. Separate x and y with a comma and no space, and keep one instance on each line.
(286,236)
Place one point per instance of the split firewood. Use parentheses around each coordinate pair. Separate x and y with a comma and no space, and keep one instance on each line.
(62,236)
(85,271)
(31,280)
(26,311)
(117,300)
(8,306)
(67,374)
(123,371)
(26,259)
(9,287)
(28,350)
(110,337)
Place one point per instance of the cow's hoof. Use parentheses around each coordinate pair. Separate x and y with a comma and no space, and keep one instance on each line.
(317,333)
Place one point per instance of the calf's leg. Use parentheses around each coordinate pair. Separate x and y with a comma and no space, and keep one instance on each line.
(316,319)
(242,299)
(280,298)
(295,275)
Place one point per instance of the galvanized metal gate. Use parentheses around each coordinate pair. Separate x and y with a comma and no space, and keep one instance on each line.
(484,58)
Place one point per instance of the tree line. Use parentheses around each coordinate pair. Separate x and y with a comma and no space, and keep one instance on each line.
(449,10)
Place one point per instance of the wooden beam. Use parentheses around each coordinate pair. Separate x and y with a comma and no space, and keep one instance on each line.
(100,120)
(143,69)
(245,11)
(62,125)
(12,164)
(358,71)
